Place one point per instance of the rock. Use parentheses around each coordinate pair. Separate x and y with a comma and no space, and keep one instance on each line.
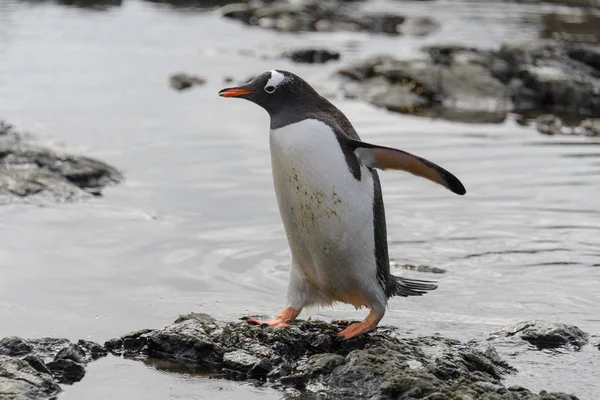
(95,350)
(200,5)
(466,84)
(420,268)
(552,125)
(584,28)
(15,346)
(325,16)
(20,381)
(543,77)
(309,357)
(32,369)
(43,174)
(66,371)
(312,56)
(72,352)
(428,87)
(545,335)
(419,26)
(131,343)
(181,81)
(303,55)
(97,5)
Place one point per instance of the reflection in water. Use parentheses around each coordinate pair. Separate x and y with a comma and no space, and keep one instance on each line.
(7,25)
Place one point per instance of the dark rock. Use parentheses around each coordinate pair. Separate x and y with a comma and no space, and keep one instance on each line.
(328,15)
(98,5)
(427,87)
(95,350)
(305,55)
(584,28)
(194,4)
(466,84)
(309,357)
(66,371)
(313,56)
(42,174)
(420,268)
(20,381)
(545,335)
(14,346)
(32,369)
(37,363)
(133,342)
(72,352)
(182,81)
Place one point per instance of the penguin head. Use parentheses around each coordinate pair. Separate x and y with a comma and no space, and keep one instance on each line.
(273,90)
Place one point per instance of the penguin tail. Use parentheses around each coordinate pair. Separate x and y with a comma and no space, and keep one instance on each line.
(410,287)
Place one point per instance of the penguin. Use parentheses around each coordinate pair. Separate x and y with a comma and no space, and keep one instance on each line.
(330,201)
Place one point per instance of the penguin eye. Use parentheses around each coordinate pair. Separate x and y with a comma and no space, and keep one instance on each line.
(269,89)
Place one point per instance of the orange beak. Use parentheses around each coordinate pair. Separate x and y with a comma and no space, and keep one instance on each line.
(234,92)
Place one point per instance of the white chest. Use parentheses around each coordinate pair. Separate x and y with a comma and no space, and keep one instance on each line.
(326,211)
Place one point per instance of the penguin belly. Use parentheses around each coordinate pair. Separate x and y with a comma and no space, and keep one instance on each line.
(327,213)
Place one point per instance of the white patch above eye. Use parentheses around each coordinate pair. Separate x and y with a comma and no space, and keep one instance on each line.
(276,79)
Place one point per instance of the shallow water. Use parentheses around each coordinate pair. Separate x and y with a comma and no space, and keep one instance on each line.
(195,226)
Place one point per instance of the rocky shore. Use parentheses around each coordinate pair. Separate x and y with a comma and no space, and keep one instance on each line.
(33,369)
(325,16)
(306,359)
(472,85)
(29,172)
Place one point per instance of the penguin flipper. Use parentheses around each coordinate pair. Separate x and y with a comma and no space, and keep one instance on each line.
(381,157)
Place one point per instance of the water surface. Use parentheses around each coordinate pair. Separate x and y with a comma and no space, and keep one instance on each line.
(195,226)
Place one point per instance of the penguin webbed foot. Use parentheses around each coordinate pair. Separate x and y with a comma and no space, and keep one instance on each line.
(283,320)
(359,328)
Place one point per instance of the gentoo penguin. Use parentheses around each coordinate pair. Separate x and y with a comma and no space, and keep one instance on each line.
(330,201)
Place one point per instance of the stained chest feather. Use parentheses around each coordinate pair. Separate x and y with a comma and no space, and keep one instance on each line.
(326,211)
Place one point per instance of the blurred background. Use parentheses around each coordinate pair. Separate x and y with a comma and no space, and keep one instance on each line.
(505,94)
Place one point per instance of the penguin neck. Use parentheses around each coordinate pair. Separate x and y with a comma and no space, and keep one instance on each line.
(298,111)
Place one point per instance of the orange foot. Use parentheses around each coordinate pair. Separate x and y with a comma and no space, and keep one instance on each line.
(359,328)
(281,321)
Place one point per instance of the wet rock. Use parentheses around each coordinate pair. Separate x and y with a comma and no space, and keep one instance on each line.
(428,87)
(420,268)
(15,346)
(66,371)
(584,27)
(131,343)
(545,335)
(305,55)
(32,369)
(549,124)
(94,350)
(194,4)
(309,357)
(43,174)
(325,16)
(20,381)
(466,84)
(181,81)
(312,56)
(98,5)
(72,352)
